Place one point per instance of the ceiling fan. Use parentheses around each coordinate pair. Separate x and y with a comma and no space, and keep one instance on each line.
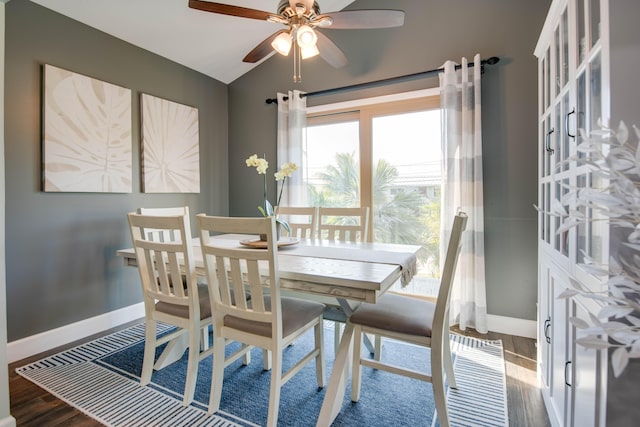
(302,19)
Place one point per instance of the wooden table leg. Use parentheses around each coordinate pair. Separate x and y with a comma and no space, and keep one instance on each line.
(338,381)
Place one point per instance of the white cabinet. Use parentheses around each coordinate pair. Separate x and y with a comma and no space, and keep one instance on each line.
(588,60)
(573,70)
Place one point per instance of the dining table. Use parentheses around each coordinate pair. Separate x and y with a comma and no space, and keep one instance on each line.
(349,272)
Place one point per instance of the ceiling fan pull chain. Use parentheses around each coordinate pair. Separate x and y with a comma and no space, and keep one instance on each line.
(297,64)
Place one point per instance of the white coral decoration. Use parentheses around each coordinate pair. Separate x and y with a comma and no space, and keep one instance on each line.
(619,202)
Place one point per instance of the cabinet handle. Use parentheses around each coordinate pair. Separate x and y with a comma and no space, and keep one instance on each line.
(566,377)
(547,324)
(566,123)
(548,142)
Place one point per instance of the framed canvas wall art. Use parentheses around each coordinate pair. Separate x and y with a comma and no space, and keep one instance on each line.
(86,135)
(170,146)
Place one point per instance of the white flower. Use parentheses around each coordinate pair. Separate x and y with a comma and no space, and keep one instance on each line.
(260,164)
(287,170)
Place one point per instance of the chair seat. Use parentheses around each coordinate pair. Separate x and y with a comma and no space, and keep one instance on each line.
(295,314)
(183,310)
(397,313)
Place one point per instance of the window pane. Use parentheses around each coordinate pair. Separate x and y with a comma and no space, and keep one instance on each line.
(406,189)
(331,167)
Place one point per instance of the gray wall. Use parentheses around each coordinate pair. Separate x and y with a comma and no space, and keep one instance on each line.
(61,263)
(434,31)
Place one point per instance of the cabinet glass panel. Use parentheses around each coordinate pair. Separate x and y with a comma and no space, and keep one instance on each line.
(582,36)
(557,238)
(565,133)
(597,225)
(543,215)
(558,62)
(565,48)
(556,140)
(564,244)
(581,108)
(594,12)
(547,204)
(541,86)
(595,92)
(547,75)
(547,155)
(581,229)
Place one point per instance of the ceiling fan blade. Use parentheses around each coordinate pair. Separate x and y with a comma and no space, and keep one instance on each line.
(263,49)
(228,9)
(330,52)
(361,19)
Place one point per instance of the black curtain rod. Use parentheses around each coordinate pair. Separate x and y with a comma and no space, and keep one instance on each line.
(490,61)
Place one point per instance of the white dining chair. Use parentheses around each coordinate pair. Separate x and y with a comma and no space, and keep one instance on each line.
(268,320)
(302,221)
(171,294)
(167,236)
(163,235)
(416,321)
(343,224)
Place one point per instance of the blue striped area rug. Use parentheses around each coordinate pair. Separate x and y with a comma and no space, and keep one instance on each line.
(101,379)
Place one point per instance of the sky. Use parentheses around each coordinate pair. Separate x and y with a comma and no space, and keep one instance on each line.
(409,141)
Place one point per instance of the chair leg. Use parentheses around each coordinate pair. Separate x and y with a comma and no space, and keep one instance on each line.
(149,351)
(204,339)
(356,378)
(192,364)
(437,381)
(276,384)
(266,359)
(377,355)
(448,363)
(217,375)
(337,335)
(320,374)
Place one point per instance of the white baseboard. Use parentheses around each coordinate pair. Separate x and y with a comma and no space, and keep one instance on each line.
(512,326)
(8,421)
(35,344)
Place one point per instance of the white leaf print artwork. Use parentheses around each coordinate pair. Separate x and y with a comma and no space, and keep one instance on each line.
(87,134)
(170,146)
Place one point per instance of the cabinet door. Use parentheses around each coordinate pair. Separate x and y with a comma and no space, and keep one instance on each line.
(544,327)
(559,347)
(586,382)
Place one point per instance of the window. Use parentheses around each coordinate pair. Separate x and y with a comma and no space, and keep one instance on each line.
(386,156)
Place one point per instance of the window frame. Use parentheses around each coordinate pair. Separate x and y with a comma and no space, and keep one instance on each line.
(364,111)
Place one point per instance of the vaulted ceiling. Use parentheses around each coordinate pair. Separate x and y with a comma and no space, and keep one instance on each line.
(206,42)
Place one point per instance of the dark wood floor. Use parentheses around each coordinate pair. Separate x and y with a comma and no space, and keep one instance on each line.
(33,406)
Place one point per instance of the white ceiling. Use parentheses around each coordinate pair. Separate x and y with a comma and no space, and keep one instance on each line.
(210,43)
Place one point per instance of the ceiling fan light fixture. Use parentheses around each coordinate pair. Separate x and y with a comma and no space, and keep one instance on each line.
(306,37)
(282,44)
(324,21)
(309,52)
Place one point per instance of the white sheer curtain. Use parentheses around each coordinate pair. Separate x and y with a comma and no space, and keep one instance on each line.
(292,120)
(462,188)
